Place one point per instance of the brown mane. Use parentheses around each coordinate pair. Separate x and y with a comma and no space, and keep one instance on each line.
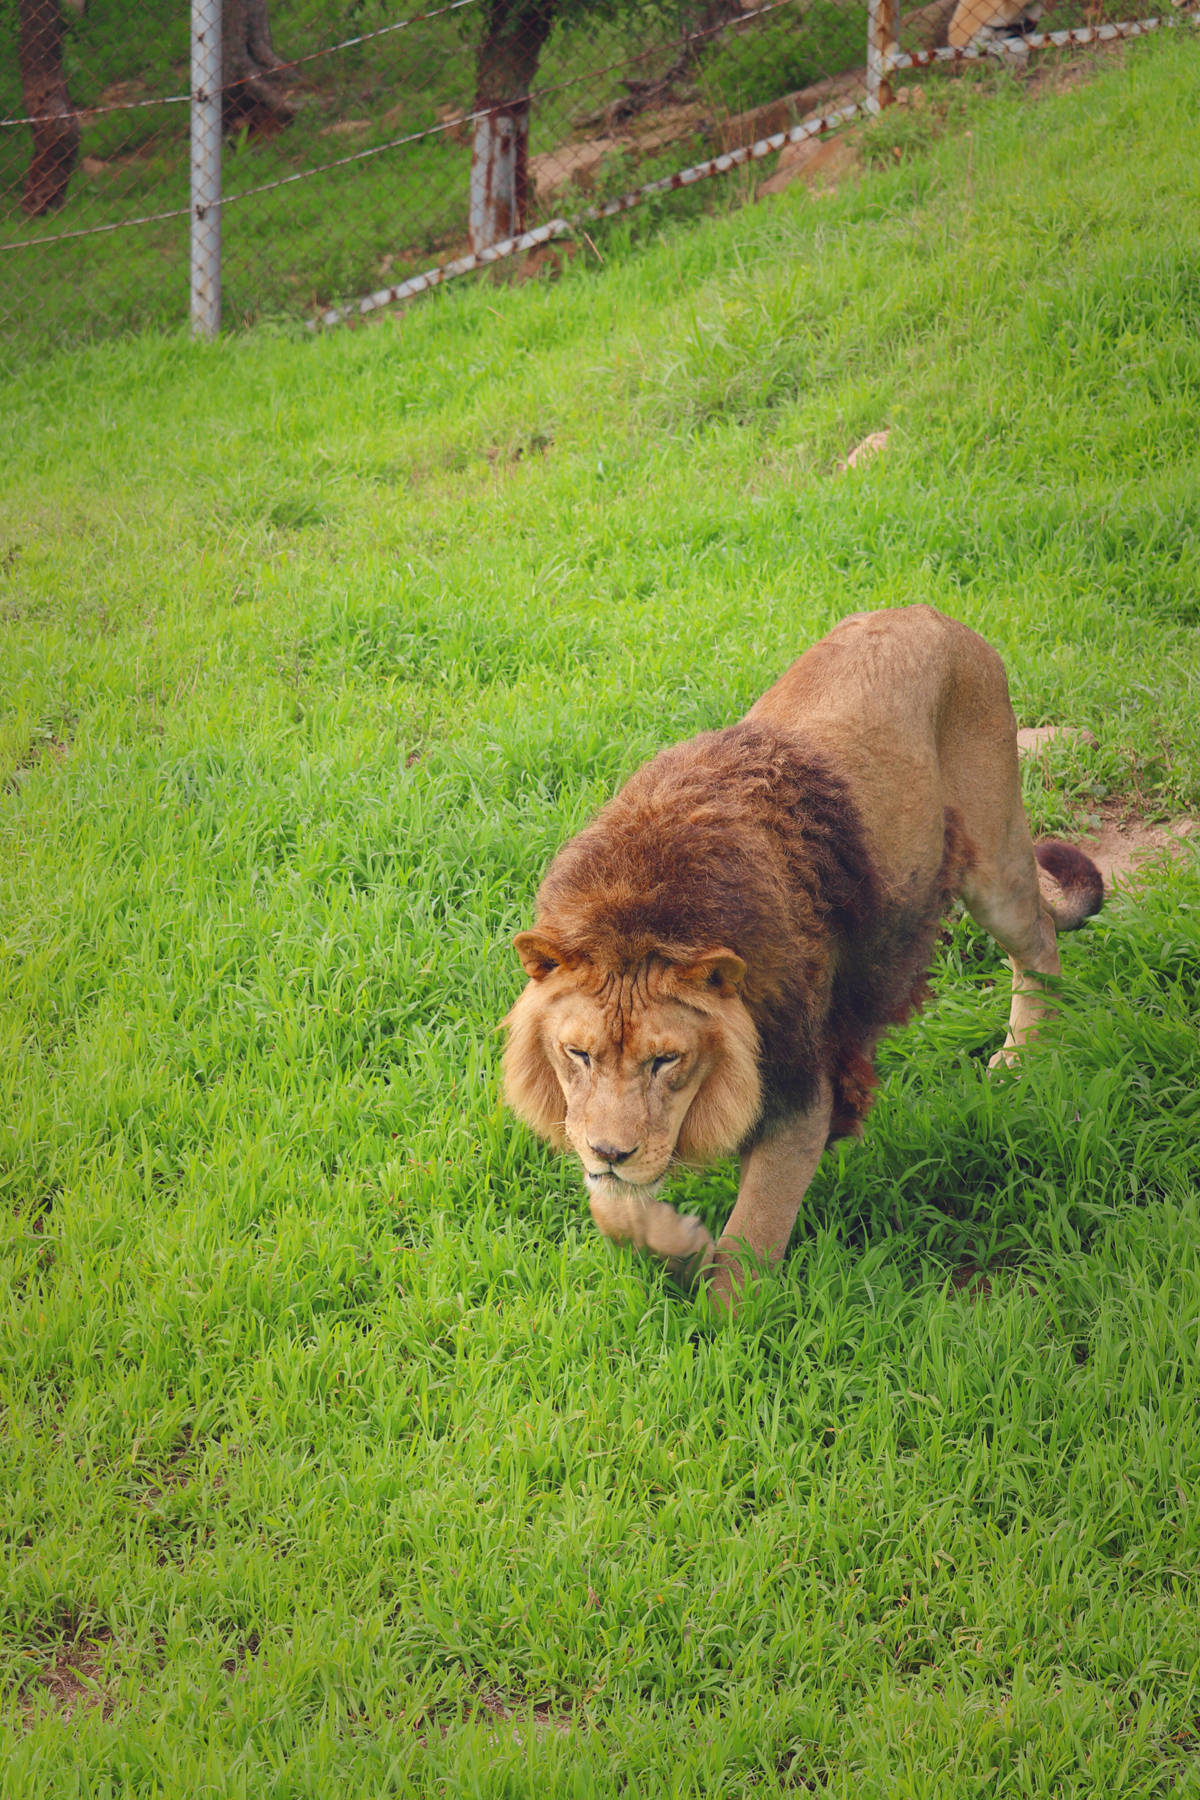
(745,838)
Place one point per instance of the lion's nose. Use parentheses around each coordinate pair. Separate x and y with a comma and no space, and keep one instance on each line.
(610,1154)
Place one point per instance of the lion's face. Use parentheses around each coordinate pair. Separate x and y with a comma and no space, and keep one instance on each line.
(633,1070)
(627,1095)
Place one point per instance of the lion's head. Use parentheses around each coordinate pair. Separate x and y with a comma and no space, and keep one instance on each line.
(634,1067)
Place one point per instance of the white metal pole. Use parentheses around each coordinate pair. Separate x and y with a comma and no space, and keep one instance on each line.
(206,168)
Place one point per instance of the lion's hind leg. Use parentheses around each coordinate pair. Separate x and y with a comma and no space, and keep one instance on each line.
(1002,893)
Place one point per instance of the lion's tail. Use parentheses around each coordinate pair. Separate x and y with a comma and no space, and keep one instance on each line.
(1071,884)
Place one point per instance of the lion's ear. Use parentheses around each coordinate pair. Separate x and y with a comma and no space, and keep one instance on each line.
(539,953)
(722,970)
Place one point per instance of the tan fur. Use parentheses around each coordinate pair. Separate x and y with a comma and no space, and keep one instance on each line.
(984,20)
(716,956)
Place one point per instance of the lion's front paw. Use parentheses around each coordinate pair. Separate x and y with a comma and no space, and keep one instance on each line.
(1007,1058)
(687,1248)
(637,1218)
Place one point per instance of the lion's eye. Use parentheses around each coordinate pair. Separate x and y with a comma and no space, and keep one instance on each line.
(577,1055)
(663,1062)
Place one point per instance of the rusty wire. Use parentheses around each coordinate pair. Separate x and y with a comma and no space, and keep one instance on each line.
(65,237)
(814,126)
(674,51)
(414,137)
(295,62)
(86,113)
(470,118)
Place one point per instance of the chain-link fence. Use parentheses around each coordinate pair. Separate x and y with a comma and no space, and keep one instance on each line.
(367,154)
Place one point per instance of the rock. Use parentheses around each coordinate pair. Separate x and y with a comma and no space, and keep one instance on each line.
(782,114)
(818,161)
(1034,738)
(861,453)
(571,165)
(546,259)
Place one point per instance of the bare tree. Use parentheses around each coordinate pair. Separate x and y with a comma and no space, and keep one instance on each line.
(512,37)
(505,65)
(251,71)
(56,128)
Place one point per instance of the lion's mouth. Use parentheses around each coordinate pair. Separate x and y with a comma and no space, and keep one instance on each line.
(602,1178)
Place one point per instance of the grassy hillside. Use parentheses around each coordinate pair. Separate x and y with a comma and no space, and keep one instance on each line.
(337,232)
(341,1454)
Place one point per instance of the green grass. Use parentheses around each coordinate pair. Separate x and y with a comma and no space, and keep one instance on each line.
(332,1430)
(297,249)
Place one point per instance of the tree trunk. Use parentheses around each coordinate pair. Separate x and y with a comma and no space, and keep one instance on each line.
(56,129)
(251,71)
(505,66)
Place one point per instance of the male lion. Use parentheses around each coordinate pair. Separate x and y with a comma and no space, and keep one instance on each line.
(717,954)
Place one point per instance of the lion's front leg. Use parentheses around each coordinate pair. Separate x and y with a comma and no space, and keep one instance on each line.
(634,1216)
(775,1178)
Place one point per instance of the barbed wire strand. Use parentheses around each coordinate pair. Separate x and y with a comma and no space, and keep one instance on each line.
(815,125)
(291,62)
(365,37)
(87,113)
(64,237)
(1087,34)
(412,137)
(483,112)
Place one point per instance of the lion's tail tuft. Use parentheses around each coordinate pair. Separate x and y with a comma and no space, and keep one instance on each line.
(1071,884)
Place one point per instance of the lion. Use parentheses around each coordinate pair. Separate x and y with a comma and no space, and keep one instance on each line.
(716,956)
(984,22)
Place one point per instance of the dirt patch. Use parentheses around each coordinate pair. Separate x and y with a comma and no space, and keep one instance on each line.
(75,1682)
(969,1280)
(118,93)
(572,164)
(244,1652)
(1123,843)
(43,745)
(1126,845)
(546,259)
(347,128)
(975,1283)
(1033,739)
(1056,75)
(128,159)
(579,165)
(516,1721)
(819,162)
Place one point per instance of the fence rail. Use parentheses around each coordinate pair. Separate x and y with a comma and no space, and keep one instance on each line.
(324,148)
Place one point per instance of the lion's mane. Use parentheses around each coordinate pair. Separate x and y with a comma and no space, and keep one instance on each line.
(745,839)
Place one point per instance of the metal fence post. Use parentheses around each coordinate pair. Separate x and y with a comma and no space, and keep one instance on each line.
(883,41)
(206,168)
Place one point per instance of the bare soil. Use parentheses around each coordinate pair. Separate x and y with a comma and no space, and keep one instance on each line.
(1127,845)
(74,1681)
